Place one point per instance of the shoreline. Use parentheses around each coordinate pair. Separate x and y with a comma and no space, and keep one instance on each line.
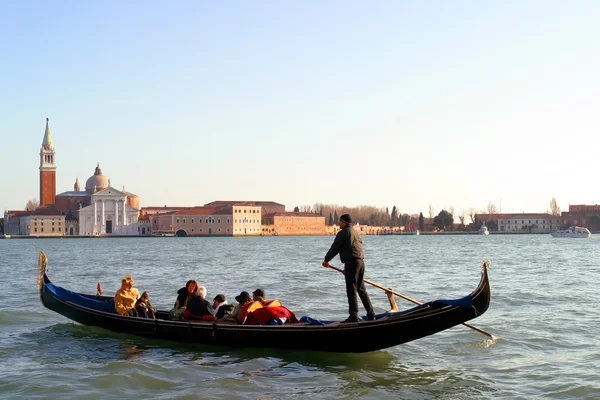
(221,236)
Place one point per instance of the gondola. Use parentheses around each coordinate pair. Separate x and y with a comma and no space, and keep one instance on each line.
(387,330)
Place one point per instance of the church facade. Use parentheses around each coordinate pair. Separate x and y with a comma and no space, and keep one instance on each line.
(99,210)
(108,214)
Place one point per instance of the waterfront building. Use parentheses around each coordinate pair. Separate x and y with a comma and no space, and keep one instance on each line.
(239,219)
(44,221)
(520,223)
(293,223)
(144,225)
(109,213)
(268,207)
(582,215)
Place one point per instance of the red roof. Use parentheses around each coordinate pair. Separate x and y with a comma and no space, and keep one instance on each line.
(205,211)
(219,203)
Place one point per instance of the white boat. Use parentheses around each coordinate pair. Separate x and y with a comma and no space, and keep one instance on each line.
(573,232)
(484,230)
(417,232)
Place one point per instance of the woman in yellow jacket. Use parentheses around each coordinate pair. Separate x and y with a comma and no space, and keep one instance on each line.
(126,297)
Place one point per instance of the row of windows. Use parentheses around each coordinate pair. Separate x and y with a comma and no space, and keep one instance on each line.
(244,211)
(42,229)
(42,223)
(247,221)
(209,220)
(246,229)
(43,219)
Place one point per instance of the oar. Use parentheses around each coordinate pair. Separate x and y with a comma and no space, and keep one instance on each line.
(388,291)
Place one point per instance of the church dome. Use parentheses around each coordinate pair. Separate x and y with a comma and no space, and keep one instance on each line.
(97,181)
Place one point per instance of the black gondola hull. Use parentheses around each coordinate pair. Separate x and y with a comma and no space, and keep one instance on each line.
(390,330)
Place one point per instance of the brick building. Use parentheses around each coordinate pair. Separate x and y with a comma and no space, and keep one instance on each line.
(293,223)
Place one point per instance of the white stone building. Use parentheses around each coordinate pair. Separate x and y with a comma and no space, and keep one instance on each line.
(108,214)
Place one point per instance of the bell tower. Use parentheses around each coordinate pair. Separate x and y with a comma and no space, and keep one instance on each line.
(47,169)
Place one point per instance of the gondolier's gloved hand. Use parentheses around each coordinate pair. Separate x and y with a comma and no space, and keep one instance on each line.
(326,264)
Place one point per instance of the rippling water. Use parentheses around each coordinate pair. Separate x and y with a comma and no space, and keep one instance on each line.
(544,308)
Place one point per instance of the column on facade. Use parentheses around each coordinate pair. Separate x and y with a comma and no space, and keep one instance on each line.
(95,216)
(102,220)
(116,213)
(124,215)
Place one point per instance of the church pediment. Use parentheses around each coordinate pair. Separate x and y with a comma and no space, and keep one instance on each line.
(110,192)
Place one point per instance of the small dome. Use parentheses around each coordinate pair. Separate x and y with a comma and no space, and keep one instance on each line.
(97,181)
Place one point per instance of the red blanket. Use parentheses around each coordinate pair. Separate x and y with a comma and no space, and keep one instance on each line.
(262,316)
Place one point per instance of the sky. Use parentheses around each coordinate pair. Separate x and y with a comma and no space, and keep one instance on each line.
(390,103)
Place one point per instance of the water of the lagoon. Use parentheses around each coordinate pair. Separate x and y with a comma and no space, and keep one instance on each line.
(545,300)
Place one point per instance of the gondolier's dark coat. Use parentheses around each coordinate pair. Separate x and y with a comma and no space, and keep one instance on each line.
(348,244)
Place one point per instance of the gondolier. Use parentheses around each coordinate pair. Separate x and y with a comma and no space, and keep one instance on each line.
(348,245)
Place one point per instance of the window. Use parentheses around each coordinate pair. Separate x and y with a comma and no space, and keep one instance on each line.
(219,221)
(42,229)
(35,230)
(177,220)
(228,221)
(192,220)
(200,230)
(52,229)
(199,220)
(184,220)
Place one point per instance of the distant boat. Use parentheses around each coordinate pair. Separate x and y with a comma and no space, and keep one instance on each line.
(572,232)
(417,232)
(484,230)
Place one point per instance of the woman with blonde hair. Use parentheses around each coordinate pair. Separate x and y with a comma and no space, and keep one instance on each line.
(126,297)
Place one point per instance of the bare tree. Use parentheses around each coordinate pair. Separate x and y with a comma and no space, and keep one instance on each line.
(305,208)
(492,209)
(431,212)
(462,217)
(32,204)
(472,213)
(451,210)
(554,208)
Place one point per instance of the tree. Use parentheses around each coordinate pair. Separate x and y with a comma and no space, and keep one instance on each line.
(472,214)
(330,219)
(431,211)
(1,225)
(336,218)
(421,222)
(492,209)
(394,217)
(554,208)
(443,220)
(462,217)
(296,209)
(32,204)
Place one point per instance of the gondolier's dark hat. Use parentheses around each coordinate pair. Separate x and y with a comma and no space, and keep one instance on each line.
(243,297)
(346,218)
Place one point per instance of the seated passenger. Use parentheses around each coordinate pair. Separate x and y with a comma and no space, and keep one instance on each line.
(242,299)
(143,306)
(183,296)
(198,307)
(221,307)
(126,297)
(259,295)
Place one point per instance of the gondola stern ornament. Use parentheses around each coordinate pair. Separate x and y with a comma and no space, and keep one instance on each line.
(42,268)
(485,265)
